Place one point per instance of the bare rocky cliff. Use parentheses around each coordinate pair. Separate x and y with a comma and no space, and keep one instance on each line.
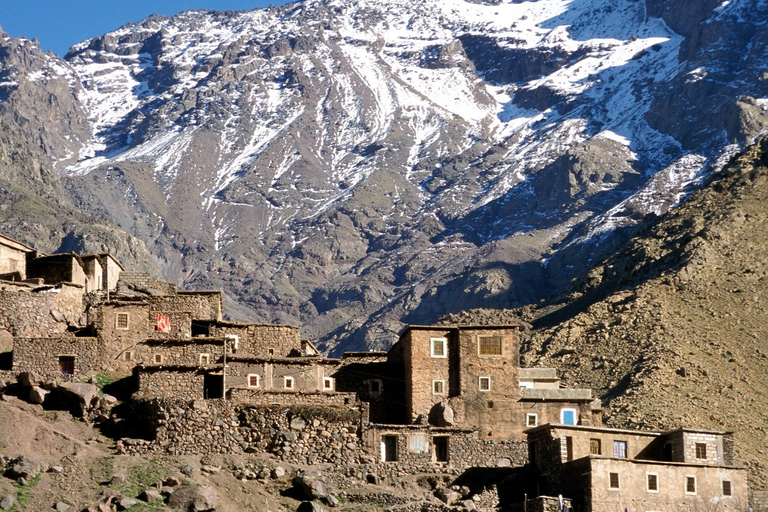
(354,166)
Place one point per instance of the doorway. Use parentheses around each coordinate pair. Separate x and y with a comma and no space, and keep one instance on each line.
(213,385)
(440,446)
(389,448)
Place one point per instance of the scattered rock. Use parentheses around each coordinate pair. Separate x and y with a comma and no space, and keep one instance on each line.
(309,506)
(310,485)
(126,503)
(150,495)
(447,496)
(56,469)
(24,468)
(7,502)
(61,506)
(172,481)
(332,501)
(196,498)
(37,395)
(278,472)
(76,397)
(298,423)
(189,470)
(117,479)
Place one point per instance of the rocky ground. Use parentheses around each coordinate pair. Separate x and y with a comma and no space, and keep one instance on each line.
(50,460)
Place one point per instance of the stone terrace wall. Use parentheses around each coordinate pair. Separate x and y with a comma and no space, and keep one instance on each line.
(184,383)
(41,355)
(299,435)
(259,398)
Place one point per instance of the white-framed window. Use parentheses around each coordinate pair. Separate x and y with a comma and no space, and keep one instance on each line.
(288,382)
(484,384)
(328,383)
(158,358)
(417,443)
(531,419)
(234,341)
(204,359)
(613,481)
(438,347)
(652,482)
(568,416)
(121,321)
(438,387)
(490,345)
(727,489)
(620,449)
(253,380)
(690,485)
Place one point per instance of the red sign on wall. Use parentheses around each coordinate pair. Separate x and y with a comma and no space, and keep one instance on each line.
(163,323)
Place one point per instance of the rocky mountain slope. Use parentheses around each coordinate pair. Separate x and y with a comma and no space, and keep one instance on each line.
(671,329)
(354,165)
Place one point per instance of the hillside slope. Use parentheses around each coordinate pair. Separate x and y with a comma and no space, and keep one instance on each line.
(672,329)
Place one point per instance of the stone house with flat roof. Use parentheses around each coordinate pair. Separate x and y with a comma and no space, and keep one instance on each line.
(603,469)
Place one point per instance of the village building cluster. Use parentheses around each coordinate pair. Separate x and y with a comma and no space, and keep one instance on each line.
(441,391)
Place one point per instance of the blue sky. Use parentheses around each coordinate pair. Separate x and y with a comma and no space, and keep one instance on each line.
(59,24)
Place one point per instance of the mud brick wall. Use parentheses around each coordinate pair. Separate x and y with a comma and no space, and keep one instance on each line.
(41,355)
(187,383)
(28,314)
(175,352)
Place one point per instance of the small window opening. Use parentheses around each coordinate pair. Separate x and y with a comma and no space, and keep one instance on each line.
(205,359)
(727,488)
(437,347)
(690,485)
(200,329)
(701,451)
(490,345)
(438,387)
(128,355)
(374,387)
(568,448)
(594,447)
(653,482)
(531,419)
(620,449)
(328,383)
(288,382)
(67,365)
(121,321)
(271,351)
(158,358)
(253,380)
(614,480)
(484,384)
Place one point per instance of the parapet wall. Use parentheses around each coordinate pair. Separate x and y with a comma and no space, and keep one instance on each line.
(30,313)
(259,398)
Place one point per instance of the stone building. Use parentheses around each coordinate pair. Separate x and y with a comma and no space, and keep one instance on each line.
(613,469)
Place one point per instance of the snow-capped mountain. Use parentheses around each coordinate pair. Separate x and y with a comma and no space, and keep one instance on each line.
(353,165)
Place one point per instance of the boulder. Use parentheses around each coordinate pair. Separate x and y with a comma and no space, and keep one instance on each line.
(310,485)
(24,468)
(125,503)
(196,498)
(7,502)
(76,397)
(442,415)
(278,472)
(37,395)
(117,479)
(447,496)
(150,495)
(309,506)
(29,379)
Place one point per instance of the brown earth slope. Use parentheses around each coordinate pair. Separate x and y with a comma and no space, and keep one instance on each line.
(672,329)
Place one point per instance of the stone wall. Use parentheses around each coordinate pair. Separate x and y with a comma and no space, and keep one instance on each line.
(260,398)
(759,501)
(31,314)
(264,340)
(185,383)
(298,434)
(41,355)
